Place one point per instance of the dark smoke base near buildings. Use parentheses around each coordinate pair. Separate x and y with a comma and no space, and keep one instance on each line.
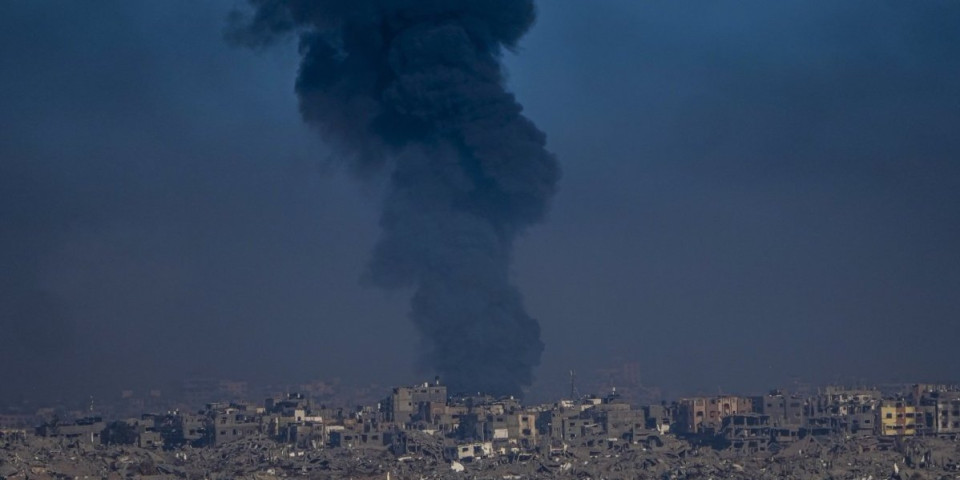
(416,89)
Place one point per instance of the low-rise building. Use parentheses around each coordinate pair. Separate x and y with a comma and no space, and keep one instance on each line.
(897,418)
(747,432)
(87,430)
(233,423)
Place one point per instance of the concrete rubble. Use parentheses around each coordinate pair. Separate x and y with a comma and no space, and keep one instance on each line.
(833,457)
(421,432)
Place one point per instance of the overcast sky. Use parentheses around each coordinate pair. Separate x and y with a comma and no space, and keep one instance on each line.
(754,193)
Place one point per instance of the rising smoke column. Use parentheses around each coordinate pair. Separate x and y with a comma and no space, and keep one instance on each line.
(416,88)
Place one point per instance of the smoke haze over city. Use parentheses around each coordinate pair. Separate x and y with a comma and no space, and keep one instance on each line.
(751,192)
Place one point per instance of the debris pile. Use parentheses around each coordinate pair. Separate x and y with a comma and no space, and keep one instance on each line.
(835,457)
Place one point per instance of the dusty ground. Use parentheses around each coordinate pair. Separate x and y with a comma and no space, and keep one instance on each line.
(821,458)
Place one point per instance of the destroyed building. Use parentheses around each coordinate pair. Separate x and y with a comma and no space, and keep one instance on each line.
(423,403)
(420,428)
(87,429)
(234,421)
(704,415)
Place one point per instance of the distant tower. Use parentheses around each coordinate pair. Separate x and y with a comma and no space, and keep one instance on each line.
(573,385)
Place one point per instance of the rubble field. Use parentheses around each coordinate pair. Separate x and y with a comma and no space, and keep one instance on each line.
(829,457)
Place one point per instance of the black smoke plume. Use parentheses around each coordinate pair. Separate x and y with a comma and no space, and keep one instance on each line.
(416,88)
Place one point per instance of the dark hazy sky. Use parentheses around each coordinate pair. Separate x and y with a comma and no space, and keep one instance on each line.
(753,192)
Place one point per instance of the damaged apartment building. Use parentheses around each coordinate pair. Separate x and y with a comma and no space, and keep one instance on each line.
(424,419)
(778,418)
